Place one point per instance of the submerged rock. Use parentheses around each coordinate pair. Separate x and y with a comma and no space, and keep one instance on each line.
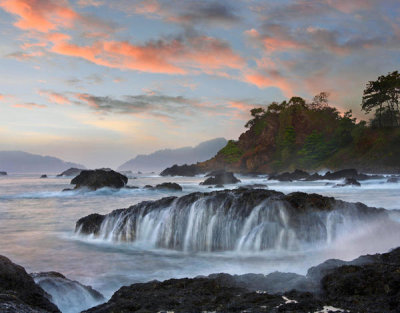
(67,293)
(241,219)
(221,178)
(95,179)
(71,172)
(169,186)
(19,293)
(348,182)
(182,170)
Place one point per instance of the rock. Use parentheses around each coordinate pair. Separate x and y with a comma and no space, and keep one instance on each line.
(3,173)
(392,180)
(169,186)
(182,170)
(296,175)
(139,173)
(148,187)
(43,176)
(314,177)
(66,293)
(348,182)
(346,173)
(221,178)
(19,293)
(131,187)
(305,216)
(219,186)
(95,179)
(372,287)
(71,172)
(215,173)
(251,186)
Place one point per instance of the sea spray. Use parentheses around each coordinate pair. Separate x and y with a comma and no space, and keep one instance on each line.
(236,220)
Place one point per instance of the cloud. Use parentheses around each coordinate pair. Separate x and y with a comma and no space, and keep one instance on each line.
(29,105)
(55,97)
(168,56)
(88,3)
(24,56)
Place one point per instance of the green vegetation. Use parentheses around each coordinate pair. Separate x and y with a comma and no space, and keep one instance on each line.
(231,152)
(297,134)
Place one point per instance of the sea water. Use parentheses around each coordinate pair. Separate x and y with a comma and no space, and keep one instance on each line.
(37,223)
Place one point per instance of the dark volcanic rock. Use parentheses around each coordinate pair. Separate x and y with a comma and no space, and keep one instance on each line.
(95,179)
(169,186)
(221,178)
(43,176)
(3,173)
(71,172)
(220,293)
(392,180)
(348,182)
(296,175)
(18,291)
(373,287)
(90,224)
(67,293)
(182,170)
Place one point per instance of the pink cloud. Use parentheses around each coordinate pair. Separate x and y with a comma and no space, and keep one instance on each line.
(29,105)
(55,97)
(262,80)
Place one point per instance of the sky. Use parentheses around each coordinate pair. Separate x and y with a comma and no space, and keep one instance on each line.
(99,81)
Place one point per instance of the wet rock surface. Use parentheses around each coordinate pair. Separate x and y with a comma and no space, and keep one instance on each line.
(349,182)
(182,170)
(169,186)
(19,293)
(369,284)
(95,179)
(284,221)
(3,173)
(342,174)
(220,178)
(71,172)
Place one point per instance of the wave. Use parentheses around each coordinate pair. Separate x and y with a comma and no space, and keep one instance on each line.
(231,220)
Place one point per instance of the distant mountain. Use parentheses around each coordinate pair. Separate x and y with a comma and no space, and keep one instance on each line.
(23,162)
(161,159)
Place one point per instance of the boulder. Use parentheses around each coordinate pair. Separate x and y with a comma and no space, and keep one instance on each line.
(348,182)
(71,172)
(19,293)
(3,173)
(182,170)
(221,178)
(392,180)
(95,179)
(43,176)
(296,175)
(169,186)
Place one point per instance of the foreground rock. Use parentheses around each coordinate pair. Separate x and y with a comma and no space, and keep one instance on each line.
(369,284)
(3,173)
(241,219)
(71,172)
(66,293)
(19,293)
(182,170)
(220,178)
(95,179)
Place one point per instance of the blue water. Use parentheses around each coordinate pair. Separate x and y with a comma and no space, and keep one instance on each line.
(37,222)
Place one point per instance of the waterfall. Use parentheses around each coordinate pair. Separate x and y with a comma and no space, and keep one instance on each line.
(241,220)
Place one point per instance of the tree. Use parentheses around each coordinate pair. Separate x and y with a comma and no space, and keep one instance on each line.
(383,96)
(320,101)
(257,114)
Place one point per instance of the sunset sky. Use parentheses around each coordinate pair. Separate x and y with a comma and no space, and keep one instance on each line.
(100,81)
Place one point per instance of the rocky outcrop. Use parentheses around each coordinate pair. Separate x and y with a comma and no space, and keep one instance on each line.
(19,293)
(351,174)
(182,170)
(220,178)
(348,182)
(369,284)
(66,293)
(71,172)
(241,220)
(169,186)
(3,173)
(95,179)
(43,176)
